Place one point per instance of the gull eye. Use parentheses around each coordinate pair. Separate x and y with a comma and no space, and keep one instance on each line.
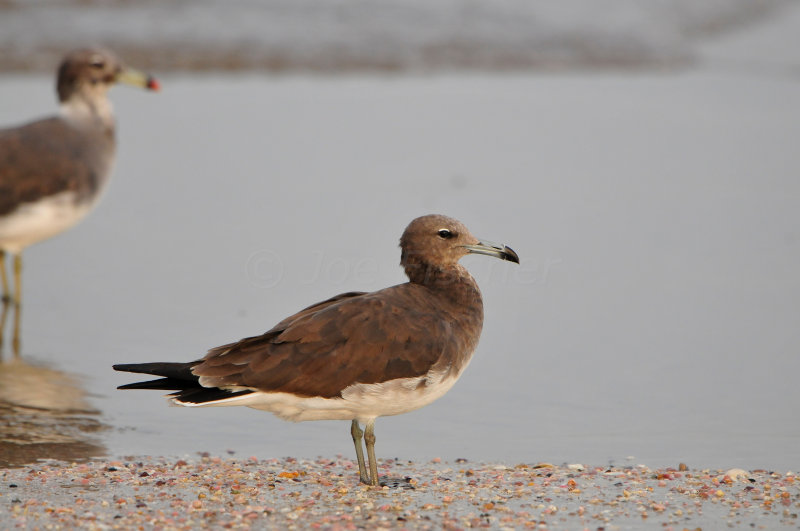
(97,62)
(445,234)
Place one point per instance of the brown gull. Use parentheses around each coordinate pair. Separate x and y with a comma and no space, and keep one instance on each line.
(356,356)
(53,170)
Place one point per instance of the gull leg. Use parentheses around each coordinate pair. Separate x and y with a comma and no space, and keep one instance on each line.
(4,277)
(355,431)
(369,439)
(3,319)
(6,297)
(15,341)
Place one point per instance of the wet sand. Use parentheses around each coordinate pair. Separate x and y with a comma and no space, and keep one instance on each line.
(324,493)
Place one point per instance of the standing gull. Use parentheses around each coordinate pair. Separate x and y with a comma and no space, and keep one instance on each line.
(53,170)
(356,356)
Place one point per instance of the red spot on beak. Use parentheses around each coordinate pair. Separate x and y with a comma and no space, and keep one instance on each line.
(153,84)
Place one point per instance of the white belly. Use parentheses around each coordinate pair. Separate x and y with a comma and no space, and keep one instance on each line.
(359,401)
(34,222)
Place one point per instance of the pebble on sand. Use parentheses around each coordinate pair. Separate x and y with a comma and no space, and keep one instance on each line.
(322,493)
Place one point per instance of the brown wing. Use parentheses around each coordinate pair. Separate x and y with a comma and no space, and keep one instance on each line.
(47,157)
(315,308)
(246,343)
(352,338)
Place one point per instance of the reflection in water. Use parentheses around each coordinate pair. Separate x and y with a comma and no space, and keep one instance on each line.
(44,415)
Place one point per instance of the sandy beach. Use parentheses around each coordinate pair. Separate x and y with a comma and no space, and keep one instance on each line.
(289,493)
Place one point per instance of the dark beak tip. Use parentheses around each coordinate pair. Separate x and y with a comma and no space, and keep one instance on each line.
(511,255)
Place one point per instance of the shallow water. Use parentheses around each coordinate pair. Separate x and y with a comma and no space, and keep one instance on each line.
(654,314)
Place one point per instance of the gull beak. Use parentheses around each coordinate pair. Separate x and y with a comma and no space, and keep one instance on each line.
(129,76)
(497,250)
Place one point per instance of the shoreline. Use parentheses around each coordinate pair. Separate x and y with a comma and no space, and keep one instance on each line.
(388,37)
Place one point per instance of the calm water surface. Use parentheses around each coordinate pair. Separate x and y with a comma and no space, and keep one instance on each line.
(654,314)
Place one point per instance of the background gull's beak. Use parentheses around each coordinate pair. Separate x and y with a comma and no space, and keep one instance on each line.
(130,76)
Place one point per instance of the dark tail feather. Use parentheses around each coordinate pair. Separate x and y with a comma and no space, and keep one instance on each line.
(170,384)
(179,371)
(201,395)
(176,376)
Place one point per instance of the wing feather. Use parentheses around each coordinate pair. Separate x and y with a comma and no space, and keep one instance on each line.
(47,157)
(398,332)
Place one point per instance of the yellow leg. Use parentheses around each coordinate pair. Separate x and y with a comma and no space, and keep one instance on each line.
(4,276)
(5,300)
(3,319)
(15,341)
(355,431)
(369,439)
